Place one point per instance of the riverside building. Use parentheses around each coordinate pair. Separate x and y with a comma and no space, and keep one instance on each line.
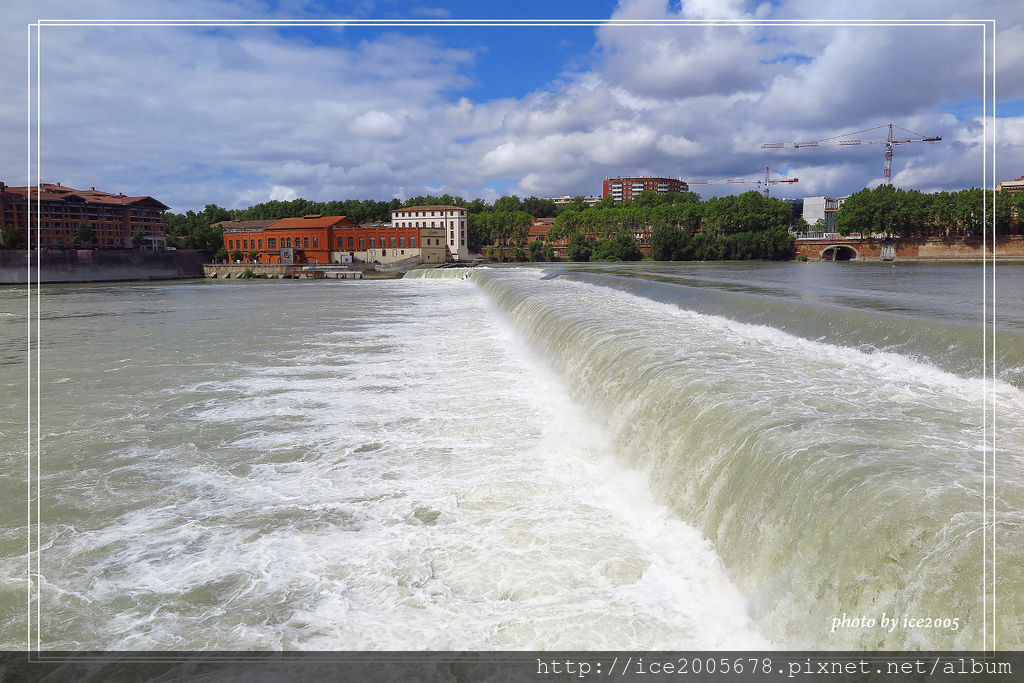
(114,218)
(622,189)
(451,218)
(317,239)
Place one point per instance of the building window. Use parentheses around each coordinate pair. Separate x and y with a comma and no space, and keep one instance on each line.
(392,240)
(305,242)
(339,243)
(401,242)
(261,245)
(272,243)
(350,242)
(412,242)
(373,242)
(316,242)
(362,242)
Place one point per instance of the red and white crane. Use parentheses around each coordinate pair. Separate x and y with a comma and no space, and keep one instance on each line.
(835,141)
(742,181)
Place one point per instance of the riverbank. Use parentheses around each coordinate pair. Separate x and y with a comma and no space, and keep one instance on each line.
(50,266)
(910,248)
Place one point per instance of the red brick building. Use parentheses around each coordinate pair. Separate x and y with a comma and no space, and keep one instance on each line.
(624,189)
(332,239)
(113,217)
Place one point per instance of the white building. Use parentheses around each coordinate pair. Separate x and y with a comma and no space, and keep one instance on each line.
(822,208)
(451,218)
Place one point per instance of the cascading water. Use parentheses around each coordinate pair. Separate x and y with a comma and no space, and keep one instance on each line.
(836,484)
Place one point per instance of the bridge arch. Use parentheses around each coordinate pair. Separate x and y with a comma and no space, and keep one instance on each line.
(839,252)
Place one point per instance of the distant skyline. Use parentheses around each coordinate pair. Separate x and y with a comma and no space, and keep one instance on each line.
(234,116)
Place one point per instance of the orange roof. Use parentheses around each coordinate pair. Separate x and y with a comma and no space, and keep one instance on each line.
(309,222)
(430,208)
(51,191)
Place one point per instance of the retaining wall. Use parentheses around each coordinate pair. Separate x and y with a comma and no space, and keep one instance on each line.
(99,265)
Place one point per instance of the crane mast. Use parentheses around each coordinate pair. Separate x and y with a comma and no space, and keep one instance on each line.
(742,181)
(835,141)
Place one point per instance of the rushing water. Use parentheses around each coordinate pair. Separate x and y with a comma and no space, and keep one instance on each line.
(636,457)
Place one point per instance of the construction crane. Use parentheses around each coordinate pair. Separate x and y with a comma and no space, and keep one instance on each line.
(834,141)
(742,181)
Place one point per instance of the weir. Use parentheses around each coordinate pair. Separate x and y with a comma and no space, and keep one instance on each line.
(831,481)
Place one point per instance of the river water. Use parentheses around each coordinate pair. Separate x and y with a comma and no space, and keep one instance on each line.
(635,456)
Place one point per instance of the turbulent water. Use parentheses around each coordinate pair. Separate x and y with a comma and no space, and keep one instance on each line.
(645,457)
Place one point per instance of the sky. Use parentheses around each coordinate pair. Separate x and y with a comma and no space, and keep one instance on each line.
(233,116)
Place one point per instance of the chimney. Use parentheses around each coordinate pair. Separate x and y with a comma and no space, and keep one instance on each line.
(93,187)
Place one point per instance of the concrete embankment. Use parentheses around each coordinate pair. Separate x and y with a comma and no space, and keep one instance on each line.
(99,265)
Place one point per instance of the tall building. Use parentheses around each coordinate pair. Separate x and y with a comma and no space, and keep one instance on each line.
(824,209)
(623,189)
(451,218)
(1011,186)
(114,217)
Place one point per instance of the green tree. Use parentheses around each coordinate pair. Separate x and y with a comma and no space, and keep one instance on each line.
(253,255)
(138,238)
(620,247)
(236,255)
(12,237)
(507,204)
(579,248)
(85,232)
(669,243)
(549,252)
(536,249)
(220,255)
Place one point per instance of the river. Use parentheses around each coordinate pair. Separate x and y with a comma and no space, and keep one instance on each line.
(621,456)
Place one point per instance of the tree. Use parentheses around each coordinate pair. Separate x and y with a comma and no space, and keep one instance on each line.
(579,248)
(253,255)
(507,204)
(12,237)
(138,238)
(539,208)
(536,248)
(84,232)
(236,255)
(669,243)
(220,255)
(549,252)
(620,247)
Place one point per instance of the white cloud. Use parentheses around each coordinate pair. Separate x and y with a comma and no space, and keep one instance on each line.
(196,116)
(283,194)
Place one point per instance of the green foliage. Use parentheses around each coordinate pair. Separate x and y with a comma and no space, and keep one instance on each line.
(12,237)
(85,232)
(253,255)
(246,274)
(669,243)
(220,255)
(236,255)
(536,249)
(747,212)
(138,238)
(549,252)
(539,208)
(579,248)
(620,247)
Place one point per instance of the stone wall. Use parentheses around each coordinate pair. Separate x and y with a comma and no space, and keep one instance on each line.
(99,265)
(932,248)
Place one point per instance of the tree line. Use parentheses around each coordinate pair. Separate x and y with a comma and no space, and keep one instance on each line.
(888,211)
(683,226)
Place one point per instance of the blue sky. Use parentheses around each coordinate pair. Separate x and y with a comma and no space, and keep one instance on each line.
(235,116)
